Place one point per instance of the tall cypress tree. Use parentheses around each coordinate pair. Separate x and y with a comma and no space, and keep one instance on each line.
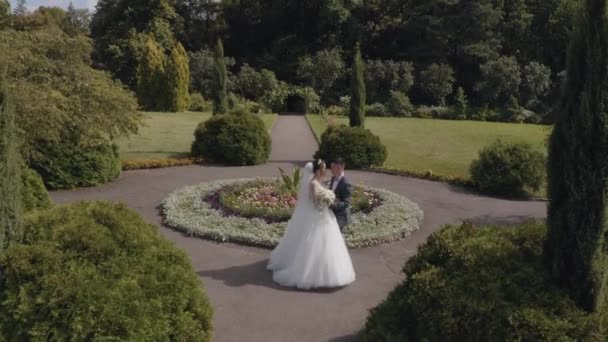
(221,97)
(10,172)
(178,77)
(576,246)
(357,91)
(151,78)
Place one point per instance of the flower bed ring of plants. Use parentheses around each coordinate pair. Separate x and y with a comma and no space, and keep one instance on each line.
(189,211)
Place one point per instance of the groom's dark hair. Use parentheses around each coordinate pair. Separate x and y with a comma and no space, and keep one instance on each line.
(339,161)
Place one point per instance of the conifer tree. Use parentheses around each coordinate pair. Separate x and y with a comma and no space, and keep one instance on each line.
(178,77)
(221,98)
(151,79)
(10,172)
(357,91)
(576,245)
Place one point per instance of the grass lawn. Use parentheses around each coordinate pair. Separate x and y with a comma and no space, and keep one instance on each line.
(167,135)
(443,146)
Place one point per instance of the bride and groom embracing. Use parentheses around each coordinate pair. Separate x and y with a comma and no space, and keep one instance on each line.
(312,253)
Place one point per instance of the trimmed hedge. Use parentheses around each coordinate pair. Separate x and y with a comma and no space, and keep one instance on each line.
(232,140)
(156,163)
(358,146)
(508,169)
(471,283)
(68,165)
(97,271)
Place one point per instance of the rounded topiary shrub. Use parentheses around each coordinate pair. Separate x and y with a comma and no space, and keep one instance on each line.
(33,193)
(359,147)
(376,109)
(481,284)
(508,169)
(232,140)
(97,271)
(69,165)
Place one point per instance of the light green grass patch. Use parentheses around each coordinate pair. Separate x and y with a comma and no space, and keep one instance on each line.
(445,147)
(167,135)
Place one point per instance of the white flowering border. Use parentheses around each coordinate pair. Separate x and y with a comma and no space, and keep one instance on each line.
(185,210)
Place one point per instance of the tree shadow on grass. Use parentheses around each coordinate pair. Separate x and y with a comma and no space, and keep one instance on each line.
(254,274)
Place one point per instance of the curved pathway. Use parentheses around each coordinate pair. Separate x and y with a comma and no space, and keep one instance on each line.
(248,305)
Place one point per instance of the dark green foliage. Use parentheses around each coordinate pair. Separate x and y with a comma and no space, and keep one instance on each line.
(178,79)
(199,104)
(221,92)
(357,90)
(508,169)
(232,140)
(5,13)
(322,70)
(252,84)
(203,75)
(460,104)
(10,171)
(486,283)
(358,146)
(384,76)
(399,105)
(97,271)
(115,26)
(67,165)
(152,87)
(436,82)
(500,80)
(33,194)
(576,246)
(376,109)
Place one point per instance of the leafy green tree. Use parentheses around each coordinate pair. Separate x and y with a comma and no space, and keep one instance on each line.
(500,80)
(152,88)
(203,76)
(536,81)
(322,70)
(460,104)
(53,100)
(178,77)
(384,76)
(252,84)
(77,21)
(436,81)
(357,90)
(117,22)
(576,246)
(10,172)
(221,92)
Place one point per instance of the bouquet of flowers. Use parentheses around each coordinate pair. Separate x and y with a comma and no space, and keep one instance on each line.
(326,198)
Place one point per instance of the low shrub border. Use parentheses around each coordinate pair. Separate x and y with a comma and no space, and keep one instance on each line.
(157,163)
(186,210)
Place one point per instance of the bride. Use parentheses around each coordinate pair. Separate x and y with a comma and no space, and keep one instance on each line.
(312,253)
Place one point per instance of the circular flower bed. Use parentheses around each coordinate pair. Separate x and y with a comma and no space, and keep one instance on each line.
(256,212)
(269,200)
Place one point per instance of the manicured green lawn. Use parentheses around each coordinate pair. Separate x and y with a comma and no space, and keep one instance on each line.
(167,135)
(441,146)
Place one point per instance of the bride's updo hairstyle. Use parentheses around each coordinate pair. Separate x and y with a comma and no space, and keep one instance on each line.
(318,164)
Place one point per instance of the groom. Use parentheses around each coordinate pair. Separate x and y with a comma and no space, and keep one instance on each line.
(344,193)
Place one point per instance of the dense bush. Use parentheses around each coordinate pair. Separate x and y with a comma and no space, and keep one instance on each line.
(98,271)
(384,76)
(252,84)
(67,165)
(33,192)
(203,78)
(500,80)
(481,284)
(508,169)
(322,70)
(436,82)
(232,140)
(199,104)
(376,109)
(358,146)
(399,105)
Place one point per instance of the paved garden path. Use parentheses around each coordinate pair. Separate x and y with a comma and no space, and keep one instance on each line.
(248,306)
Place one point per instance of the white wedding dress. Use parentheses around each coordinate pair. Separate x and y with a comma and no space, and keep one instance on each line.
(312,253)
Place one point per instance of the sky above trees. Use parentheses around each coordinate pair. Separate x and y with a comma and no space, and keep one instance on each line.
(33,4)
